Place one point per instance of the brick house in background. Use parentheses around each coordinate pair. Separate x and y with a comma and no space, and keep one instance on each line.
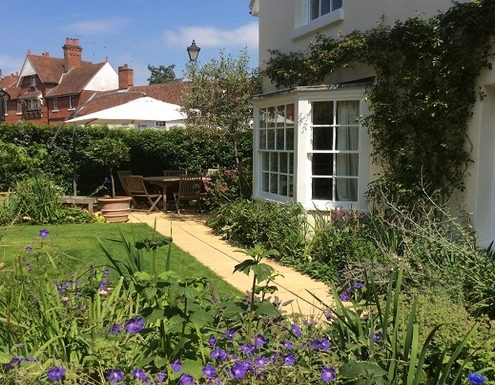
(48,89)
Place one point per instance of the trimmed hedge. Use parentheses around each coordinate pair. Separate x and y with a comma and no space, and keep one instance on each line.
(151,151)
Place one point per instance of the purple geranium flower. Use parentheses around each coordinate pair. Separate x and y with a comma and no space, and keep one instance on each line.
(377,338)
(176,366)
(261,361)
(115,375)
(29,249)
(134,325)
(44,233)
(247,348)
(230,334)
(345,296)
(475,378)
(13,362)
(289,360)
(139,374)
(296,330)
(259,340)
(186,379)
(212,341)
(325,344)
(238,370)
(218,354)
(328,315)
(115,329)
(160,377)
(209,371)
(55,374)
(328,374)
(288,345)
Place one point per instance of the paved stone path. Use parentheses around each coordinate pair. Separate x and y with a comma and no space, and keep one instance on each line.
(190,233)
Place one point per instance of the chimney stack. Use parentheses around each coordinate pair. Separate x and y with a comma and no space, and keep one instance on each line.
(72,54)
(126,77)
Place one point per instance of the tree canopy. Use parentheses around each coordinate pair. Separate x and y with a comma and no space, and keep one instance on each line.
(161,74)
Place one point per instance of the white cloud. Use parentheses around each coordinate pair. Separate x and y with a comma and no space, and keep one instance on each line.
(97,26)
(205,36)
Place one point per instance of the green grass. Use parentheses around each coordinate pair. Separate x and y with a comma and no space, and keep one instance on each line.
(76,247)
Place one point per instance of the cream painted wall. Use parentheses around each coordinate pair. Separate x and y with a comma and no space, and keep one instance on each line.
(105,79)
(279,19)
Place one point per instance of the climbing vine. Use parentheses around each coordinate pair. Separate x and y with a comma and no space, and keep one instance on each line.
(422,96)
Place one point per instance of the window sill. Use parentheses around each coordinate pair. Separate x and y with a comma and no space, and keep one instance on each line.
(18,113)
(54,110)
(71,109)
(317,24)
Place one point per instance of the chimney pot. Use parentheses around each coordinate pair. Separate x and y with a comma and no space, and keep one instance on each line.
(126,77)
(72,54)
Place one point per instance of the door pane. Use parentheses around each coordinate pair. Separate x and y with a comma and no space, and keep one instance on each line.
(322,164)
(322,188)
(323,113)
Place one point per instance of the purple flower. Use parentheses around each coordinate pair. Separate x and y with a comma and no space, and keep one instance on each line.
(345,296)
(44,233)
(357,285)
(115,375)
(209,371)
(296,330)
(475,378)
(327,374)
(247,348)
(31,359)
(106,180)
(115,329)
(288,345)
(134,325)
(262,361)
(13,362)
(289,360)
(186,379)
(212,341)
(160,377)
(328,315)
(230,334)
(139,374)
(248,365)
(106,272)
(325,344)
(55,374)
(238,370)
(218,354)
(377,338)
(29,249)
(176,366)
(259,340)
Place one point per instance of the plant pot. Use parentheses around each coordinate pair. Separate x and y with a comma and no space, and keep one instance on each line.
(115,209)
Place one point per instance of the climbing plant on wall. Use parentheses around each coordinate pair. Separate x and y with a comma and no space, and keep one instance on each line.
(422,96)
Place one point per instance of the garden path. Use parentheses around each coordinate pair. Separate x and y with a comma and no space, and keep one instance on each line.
(192,235)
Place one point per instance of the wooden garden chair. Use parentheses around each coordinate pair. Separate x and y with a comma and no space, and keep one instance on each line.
(137,189)
(121,175)
(189,190)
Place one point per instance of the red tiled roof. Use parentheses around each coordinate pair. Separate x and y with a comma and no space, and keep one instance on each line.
(49,69)
(166,92)
(74,81)
(8,81)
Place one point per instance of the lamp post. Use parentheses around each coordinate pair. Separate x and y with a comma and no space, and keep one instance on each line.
(193,51)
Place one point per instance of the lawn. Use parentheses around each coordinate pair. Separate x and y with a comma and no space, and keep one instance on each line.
(76,246)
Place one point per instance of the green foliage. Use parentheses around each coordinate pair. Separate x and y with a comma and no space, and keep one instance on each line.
(227,186)
(422,96)
(161,74)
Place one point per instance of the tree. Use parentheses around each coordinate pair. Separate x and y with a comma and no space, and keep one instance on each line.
(219,100)
(161,74)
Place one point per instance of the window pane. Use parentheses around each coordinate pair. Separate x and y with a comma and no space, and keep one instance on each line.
(291,186)
(322,188)
(322,138)
(348,112)
(263,118)
(314,6)
(347,164)
(289,114)
(280,138)
(262,139)
(270,117)
(280,117)
(291,163)
(273,184)
(325,7)
(283,185)
(336,4)
(322,164)
(264,183)
(289,138)
(347,138)
(283,162)
(323,113)
(265,161)
(274,161)
(271,139)
(346,189)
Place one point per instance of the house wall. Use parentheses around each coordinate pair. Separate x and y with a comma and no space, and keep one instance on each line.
(105,79)
(283,25)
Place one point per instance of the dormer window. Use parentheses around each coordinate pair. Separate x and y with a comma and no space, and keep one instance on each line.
(318,8)
(33,81)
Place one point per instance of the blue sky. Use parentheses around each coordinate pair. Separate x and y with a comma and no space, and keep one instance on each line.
(136,32)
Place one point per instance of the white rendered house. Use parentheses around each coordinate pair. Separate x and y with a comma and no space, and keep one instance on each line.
(308,145)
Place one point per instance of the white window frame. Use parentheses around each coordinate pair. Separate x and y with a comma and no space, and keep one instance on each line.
(55,105)
(303,99)
(72,103)
(5,107)
(305,26)
(33,105)
(18,107)
(161,124)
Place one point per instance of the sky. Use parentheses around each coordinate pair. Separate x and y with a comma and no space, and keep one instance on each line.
(133,32)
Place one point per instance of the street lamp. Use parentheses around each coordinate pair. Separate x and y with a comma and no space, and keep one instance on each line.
(193,51)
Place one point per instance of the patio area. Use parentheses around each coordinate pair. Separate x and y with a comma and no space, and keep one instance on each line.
(192,235)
